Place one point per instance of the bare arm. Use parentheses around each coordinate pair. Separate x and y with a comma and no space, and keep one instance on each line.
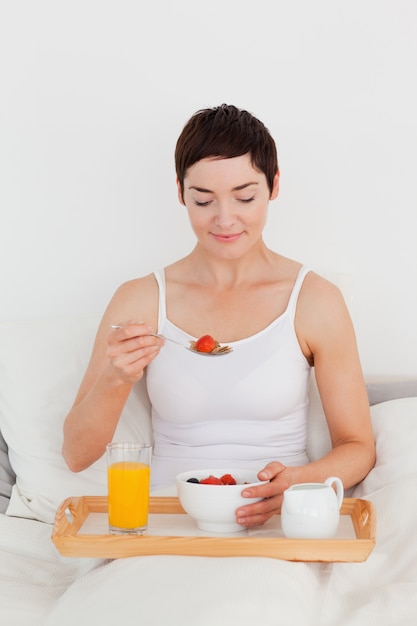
(327,338)
(118,360)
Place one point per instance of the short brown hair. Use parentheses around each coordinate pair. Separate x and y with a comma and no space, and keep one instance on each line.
(225,132)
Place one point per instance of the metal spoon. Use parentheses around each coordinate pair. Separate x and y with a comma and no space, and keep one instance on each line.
(222,350)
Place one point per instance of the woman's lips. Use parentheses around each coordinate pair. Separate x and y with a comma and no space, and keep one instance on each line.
(226,238)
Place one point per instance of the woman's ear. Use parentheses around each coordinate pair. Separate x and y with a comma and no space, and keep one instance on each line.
(179,192)
(275,187)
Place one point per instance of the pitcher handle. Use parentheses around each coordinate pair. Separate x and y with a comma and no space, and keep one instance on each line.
(334,480)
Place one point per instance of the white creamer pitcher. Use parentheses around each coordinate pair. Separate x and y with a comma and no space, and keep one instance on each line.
(312,510)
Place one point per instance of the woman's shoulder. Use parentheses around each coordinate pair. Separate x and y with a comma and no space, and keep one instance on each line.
(319,289)
(140,285)
(321,308)
(135,299)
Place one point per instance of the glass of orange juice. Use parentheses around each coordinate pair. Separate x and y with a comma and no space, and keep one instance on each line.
(128,480)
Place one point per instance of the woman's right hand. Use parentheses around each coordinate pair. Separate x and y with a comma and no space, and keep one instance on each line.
(130,349)
(118,360)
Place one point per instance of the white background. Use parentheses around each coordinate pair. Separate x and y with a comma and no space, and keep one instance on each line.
(95,93)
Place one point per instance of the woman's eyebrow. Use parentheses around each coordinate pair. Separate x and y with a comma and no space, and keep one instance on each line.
(238,188)
(200,189)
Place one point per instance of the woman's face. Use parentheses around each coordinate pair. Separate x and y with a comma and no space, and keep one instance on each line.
(227,202)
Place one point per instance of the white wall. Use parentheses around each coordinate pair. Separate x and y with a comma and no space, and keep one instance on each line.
(95,93)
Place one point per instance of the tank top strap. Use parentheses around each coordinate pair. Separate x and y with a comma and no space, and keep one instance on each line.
(162,310)
(292,303)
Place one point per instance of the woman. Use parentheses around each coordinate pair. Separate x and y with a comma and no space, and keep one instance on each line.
(248,407)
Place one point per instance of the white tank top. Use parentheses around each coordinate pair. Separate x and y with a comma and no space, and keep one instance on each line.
(243,409)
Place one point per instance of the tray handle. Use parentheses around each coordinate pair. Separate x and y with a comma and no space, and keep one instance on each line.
(365,520)
(70,516)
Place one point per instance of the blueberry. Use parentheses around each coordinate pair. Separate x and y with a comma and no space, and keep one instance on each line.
(193,480)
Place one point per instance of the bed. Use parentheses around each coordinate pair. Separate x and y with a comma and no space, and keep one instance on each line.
(41,365)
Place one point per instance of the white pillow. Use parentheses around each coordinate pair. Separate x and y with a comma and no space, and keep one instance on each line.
(318,436)
(41,366)
(395,428)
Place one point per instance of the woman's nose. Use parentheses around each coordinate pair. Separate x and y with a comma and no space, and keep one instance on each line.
(225,216)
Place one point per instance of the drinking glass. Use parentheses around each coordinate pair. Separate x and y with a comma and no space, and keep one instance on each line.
(128,479)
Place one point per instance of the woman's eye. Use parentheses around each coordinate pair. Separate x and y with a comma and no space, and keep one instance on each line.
(247,200)
(206,203)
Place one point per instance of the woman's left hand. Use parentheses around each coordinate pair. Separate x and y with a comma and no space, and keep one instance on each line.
(272,492)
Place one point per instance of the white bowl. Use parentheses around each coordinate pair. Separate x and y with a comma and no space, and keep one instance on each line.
(213,507)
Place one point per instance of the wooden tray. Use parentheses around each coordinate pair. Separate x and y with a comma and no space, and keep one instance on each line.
(71,540)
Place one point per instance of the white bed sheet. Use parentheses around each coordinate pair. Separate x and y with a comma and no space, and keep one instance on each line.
(33,575)
(38,586)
